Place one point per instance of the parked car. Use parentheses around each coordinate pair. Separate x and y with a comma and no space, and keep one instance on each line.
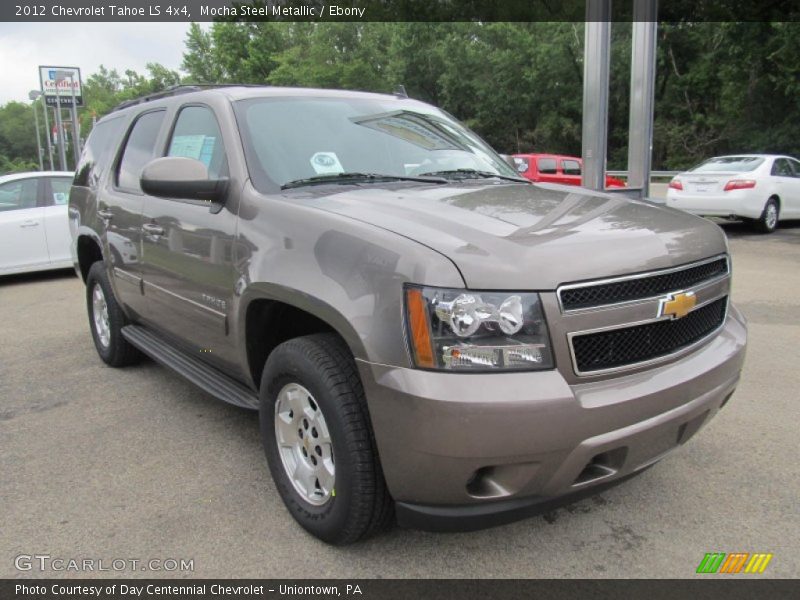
(760,188)
(556,168)
(425,334)
(34,228)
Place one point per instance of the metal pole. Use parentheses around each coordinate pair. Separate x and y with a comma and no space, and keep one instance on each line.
(47,133)
(643,78)
(38,138)
(62,155)
(76,135)
(33,95)
(596,61)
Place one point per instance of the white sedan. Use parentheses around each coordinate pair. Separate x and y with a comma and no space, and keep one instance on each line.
(761,188)
(34,227)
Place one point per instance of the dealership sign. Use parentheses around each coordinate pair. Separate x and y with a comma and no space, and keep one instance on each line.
(55,89)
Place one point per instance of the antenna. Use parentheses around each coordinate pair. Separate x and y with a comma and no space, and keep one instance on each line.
(400,91)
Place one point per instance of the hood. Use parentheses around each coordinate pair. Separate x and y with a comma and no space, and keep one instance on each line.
(532,237)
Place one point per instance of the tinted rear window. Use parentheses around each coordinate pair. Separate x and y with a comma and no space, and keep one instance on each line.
(139,150)
(98,152)
(547,166)
(730,164)
(571,167)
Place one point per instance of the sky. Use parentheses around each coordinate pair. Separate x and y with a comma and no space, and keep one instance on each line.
(120,46)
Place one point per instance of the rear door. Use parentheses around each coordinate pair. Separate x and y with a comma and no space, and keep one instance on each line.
(548,170)
(23,245)
(187,250)
(56,220)
(791,202)
(120,208)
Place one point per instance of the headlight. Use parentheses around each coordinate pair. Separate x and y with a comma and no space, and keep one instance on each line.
(464,330)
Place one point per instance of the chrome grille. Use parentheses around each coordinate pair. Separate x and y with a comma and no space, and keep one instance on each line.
(640,343)
(637,287)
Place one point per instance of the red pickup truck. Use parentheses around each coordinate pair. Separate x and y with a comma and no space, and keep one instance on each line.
(555,168)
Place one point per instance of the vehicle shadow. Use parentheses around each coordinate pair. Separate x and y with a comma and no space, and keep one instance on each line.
(38,276)
(787,231)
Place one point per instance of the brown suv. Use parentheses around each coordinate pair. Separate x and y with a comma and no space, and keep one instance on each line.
(427,336)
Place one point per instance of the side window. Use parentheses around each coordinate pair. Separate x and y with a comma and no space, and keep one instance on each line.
(59,191)
(795,166)
(781,168)
(18,194)
(571,167)
(197,135)
(139,150)
(97,152)
(547,166)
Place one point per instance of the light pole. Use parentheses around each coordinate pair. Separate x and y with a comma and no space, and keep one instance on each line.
(76,143)
(33,95)
(62,155)
(47,133)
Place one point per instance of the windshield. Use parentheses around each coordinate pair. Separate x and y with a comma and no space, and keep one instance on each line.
(293,139)
(730,164)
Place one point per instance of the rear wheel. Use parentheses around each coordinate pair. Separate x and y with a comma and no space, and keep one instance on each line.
(768,221)
(318,440)
(106,320)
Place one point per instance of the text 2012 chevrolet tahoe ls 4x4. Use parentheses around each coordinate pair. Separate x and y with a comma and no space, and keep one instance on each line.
(427,336)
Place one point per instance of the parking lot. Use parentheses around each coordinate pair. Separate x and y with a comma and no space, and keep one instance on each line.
(137,463)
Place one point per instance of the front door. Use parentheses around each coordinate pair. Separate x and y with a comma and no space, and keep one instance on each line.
(23,245)
(187,250)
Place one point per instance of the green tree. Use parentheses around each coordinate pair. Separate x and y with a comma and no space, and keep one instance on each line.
(17,138)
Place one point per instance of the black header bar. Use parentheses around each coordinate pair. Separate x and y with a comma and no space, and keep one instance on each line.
(381,10)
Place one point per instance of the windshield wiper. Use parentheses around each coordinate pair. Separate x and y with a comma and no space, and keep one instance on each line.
(350,177)
(473,174)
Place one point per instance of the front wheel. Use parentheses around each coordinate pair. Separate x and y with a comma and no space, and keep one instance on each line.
(768,221)
(318,440)
(106,320)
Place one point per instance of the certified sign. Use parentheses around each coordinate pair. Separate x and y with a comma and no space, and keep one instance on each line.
(55,89)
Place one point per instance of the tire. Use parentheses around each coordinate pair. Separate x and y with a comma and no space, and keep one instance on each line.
(107,329)
(342,497)
(768,221)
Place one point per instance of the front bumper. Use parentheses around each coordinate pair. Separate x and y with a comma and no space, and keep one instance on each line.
(462,451)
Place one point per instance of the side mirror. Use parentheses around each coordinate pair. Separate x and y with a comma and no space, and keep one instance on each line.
(183,179)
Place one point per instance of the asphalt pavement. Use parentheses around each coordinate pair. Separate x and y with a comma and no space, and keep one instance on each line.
(136,463)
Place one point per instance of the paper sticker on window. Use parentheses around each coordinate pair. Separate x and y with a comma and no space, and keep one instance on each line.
(198,147)
(325,163)
(60,198)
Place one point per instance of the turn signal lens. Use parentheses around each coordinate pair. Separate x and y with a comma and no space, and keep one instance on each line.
(739,184)
(420,328)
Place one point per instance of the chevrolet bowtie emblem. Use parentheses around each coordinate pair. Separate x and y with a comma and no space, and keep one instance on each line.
(677,305)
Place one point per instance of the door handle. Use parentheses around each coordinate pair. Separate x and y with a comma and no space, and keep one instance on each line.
(153,229)
(105,214)
(29,223)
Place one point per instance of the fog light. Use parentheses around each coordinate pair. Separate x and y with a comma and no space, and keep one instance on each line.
(471,356)
(465,356)
(523,355)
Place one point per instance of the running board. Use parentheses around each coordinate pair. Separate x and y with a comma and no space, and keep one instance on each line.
(205,377)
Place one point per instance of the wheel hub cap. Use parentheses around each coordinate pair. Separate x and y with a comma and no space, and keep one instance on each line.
(772,216)
(304,444)
(100,316)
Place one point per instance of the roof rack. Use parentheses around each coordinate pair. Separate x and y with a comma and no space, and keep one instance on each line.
(176,90)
